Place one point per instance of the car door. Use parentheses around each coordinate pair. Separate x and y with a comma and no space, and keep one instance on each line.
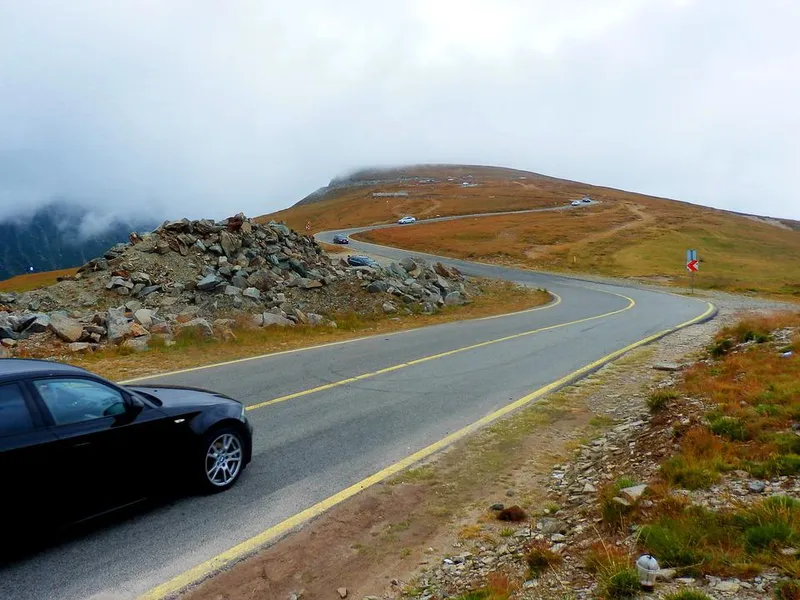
(106,441)
(26,459)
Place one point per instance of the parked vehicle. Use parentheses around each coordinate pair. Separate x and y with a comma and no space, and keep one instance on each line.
(407,220)
(575,203)
(361,261)
(586,199)
(340,239)
(74,445)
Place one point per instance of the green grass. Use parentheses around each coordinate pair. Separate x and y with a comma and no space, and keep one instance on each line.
(687,595)
(657,401)
(733,542)
(622,584)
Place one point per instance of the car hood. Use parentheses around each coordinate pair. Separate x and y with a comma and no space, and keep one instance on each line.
(170,395)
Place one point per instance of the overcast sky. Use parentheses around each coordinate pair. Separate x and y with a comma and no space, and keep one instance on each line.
(205,108)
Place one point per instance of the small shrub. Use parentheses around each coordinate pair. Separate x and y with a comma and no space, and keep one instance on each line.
(720,348)
(677,471)
(788,590)
(540,558)
(476,595)
(513,514)
(623,583)
(766,536)
(672,546)
(658,400)
(506,532)
(687,595)
(731,428)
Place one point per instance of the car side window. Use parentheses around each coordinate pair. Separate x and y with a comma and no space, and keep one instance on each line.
(76,400)
(14,414)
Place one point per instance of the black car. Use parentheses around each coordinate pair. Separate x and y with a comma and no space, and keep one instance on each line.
(340,239)
(74,446)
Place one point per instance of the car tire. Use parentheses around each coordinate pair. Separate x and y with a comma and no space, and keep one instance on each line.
(218,470)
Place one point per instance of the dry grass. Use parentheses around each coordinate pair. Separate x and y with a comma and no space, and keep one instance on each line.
(628,235)
(32,281)
(117,363)
(334,248)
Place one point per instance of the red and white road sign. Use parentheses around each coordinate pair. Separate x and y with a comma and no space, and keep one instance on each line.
(692,265)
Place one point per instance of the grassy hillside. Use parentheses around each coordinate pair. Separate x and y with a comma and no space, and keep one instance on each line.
(628,234)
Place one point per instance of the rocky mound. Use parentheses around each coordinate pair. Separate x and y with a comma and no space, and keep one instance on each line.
(207,276)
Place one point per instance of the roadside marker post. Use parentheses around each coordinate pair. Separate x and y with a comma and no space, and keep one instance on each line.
(692,264)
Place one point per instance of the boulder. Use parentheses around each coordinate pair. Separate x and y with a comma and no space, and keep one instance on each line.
(262,279)
(144,317)
(633,493)
(453,299)
(139,344)
(201,326)
(208,283)
(229,242)
(77,347)
(240,281)
(389,308)
(65,328)
(377,286)
(118,327)
(252,293)
(161,328)
(232,290)
(35,323)
(269,319)
(314,319)
(408,263)
(137,330)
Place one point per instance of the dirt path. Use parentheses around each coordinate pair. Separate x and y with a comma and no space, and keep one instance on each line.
(642,218)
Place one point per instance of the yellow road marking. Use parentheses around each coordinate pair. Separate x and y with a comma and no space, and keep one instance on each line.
(552,304)
(210,566)
(418,361)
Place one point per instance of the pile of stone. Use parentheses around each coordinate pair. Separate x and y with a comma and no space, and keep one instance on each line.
(212,277)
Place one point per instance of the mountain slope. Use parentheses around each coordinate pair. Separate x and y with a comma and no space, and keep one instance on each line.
(626,234)
(58,236)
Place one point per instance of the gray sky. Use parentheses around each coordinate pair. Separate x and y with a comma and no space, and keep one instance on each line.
(200,107)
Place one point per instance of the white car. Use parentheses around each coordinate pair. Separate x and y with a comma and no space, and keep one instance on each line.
(575,203)
(407,220)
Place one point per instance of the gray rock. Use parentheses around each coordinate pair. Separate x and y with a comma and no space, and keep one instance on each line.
(314,319)
(633,493)
(117,281)
(8,298)
(497,506)
(65,328)
(141,277)
(150,289)
(208,283)
(756,487)
(232,290)
(117,326)
(36,323)
(454,299)
(558,538)
(229,242)
(549,526)
(408,264)
(144,317)
(389,308)
(252,293)
(667,366)
(199,325)
(728,587)
(262,279)
(240,281)
(308,284)
(377,287)
(76,347)
(133,305)
(666,574)
(342,592)
(269,319)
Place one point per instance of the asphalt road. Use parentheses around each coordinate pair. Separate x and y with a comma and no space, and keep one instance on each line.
(310,447)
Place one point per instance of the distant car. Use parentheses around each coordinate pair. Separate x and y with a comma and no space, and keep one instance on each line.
(575,203)
(407,220)
(340,239)
(361,261)
(80,446)
(587,200)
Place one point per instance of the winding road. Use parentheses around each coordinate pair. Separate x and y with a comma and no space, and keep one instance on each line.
(331,420)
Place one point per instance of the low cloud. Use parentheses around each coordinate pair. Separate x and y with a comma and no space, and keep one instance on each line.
(195,108)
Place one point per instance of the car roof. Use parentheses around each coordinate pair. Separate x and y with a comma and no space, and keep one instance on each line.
(16,368)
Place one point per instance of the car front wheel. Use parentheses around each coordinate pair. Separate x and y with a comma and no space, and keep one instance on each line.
(223,459)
